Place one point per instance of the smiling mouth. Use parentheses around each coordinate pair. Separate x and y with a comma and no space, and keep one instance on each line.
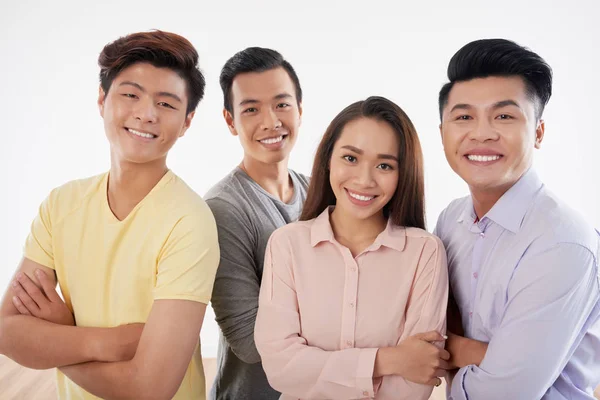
(145,135)
(360,197)
(481,158)
(273,140)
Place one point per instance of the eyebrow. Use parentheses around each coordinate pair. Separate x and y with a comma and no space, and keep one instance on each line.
(277,97)
(359,151)
(141,88)
(500,104)
(505,103)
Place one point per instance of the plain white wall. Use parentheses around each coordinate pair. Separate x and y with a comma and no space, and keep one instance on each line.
(342,52)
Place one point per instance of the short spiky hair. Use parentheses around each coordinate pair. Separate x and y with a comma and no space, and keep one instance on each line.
(254,59)
(500,57)
(160,49)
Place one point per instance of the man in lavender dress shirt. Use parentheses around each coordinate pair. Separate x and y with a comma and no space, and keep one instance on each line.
(523,266)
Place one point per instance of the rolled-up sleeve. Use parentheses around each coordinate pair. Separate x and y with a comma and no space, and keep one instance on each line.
(551,302)
(291,365)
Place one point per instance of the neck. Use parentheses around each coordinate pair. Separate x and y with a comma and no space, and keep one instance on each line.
(274,177)
(129,182)
(485,198)
(352,231)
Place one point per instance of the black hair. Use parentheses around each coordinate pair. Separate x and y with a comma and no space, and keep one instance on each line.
(254,59)
(500,57)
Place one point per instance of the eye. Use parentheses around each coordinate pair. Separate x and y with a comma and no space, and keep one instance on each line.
(504,117)
(167,105)
(385,167)
(129,95)
(283,105)
(349,158)
(250,110)
(463,117)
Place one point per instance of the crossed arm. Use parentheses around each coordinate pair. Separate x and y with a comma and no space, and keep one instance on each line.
(36,330)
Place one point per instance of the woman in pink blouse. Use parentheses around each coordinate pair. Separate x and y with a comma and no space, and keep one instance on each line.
(353,297)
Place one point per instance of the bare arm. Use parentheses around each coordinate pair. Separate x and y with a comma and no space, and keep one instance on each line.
(164,353)
(40,344)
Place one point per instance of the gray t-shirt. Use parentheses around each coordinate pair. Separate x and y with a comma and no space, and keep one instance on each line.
(246,215)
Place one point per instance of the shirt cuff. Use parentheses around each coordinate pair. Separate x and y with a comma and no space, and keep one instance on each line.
(364,372)
(458,392)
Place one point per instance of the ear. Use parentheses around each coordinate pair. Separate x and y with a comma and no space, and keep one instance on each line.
(441,133)
(300,114)
(187,123)
(101,98)
(229,121)
(539,133)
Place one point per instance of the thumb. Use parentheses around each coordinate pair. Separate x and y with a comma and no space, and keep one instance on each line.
(431,336)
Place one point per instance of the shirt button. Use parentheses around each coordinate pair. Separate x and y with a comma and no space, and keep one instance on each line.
(365,393)
(353,269)
(475,275)
(471,314)
(482,234)
(349,343)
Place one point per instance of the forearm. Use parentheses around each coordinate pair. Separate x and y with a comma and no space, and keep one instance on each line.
(309,372)
(38,344)
(112,380)
(468,352)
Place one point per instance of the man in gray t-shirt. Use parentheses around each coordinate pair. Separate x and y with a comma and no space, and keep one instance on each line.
(263,107)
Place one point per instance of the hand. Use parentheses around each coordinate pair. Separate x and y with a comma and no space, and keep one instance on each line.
(415,359)
(46,304)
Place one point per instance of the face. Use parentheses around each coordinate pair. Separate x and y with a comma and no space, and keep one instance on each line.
(364,168)
(144,113)
(266,116)
(489,131)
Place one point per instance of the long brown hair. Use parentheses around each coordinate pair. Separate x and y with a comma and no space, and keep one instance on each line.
(407,206)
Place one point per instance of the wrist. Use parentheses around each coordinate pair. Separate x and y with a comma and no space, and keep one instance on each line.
(384,364)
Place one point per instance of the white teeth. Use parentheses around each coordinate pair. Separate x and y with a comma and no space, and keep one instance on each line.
(359,197)
(482,158)
(141,134)
(272,140)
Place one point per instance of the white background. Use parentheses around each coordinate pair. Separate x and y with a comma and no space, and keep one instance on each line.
(51,131)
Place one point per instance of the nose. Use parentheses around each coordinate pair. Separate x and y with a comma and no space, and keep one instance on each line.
(146,111)
(270,121)
(483,131)
(365,176)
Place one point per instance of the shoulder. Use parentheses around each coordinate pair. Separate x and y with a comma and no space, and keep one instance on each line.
(68,197)
(429,242)
(556,223)
(294,233)
(301,178)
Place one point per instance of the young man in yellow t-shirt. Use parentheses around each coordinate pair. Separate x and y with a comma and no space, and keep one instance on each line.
(134,250)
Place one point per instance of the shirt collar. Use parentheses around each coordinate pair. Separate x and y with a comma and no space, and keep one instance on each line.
(392,236)
(509,211)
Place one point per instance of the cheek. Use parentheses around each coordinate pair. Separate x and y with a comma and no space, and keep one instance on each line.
(389,183)
(338,174)
(291,119)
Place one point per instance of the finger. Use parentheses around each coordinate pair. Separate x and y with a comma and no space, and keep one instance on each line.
(444,354)
(19,306)
(445,365)
(25,299)
(432,336)
(32,290)
(441,373)
(48,286)
(434,382)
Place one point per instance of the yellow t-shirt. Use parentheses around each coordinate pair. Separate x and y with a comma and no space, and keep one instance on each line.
(111,271)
